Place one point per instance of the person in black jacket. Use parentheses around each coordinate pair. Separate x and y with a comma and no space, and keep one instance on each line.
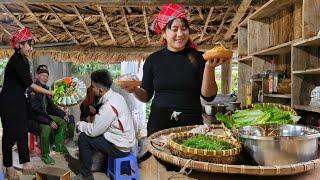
(49,116)
(13,102)
(177,76)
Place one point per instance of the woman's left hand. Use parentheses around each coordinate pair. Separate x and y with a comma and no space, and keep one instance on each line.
(129,89)
(215,62)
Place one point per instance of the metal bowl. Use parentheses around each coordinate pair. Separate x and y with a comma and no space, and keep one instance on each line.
(280,144)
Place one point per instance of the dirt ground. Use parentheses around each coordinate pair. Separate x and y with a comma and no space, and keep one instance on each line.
(62,161)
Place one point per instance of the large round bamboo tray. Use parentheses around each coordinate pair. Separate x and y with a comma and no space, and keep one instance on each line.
(282,170)
(222,156)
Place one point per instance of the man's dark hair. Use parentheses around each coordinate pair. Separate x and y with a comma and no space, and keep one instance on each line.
(102,77)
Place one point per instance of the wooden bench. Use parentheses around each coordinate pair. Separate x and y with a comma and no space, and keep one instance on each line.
(52,172)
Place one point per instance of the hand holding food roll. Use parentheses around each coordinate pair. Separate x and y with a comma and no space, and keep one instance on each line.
(128,81)
(219,51)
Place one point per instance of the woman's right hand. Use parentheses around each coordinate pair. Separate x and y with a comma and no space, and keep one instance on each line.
(215,62)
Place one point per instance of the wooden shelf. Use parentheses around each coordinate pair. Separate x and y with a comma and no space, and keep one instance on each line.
(256,80)
(280,49)
(244,23)
(285,96)
(271,7)
(313,41)
(308,71)
(286,31)
(307,108)
(246,58)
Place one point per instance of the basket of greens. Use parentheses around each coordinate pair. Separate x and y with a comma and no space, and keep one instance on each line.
(202,147)
(260,113)
(68,91)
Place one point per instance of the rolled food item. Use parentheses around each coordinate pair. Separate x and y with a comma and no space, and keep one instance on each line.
(219,51)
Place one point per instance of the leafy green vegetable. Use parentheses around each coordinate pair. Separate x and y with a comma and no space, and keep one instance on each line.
(205,142)
(257,115)
(59,90)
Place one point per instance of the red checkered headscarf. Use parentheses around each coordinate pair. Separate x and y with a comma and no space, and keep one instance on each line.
(20,35)
(168,12)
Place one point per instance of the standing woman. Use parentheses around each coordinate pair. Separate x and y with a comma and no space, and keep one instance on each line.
(13,102)
(177,75)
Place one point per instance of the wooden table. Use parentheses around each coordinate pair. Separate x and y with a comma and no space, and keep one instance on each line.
(151,169)
(44,172)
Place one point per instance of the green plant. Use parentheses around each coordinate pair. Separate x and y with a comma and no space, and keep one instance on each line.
(3,63)
(83,69)
(206,142)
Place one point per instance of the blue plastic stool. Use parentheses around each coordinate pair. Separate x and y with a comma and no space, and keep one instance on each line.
(128,164)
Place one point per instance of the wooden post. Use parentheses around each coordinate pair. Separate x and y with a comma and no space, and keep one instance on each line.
(226,73)
(297,20)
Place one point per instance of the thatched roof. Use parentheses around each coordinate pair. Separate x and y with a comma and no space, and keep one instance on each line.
(114,30)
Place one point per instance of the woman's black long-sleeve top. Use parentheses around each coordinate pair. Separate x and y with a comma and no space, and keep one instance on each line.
(13,101)
(174,81)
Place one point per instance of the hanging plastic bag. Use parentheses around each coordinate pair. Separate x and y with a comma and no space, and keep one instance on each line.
(315,97)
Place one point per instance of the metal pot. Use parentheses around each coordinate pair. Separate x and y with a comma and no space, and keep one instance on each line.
(232,105)
(212,109)
(287,144)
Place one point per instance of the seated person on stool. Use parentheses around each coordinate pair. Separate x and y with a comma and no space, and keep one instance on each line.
(111,131)
(49,116)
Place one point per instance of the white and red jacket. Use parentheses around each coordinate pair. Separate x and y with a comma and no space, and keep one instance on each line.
(114,121)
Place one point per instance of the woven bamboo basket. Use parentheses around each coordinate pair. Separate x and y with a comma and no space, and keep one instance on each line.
(282,170)
(216,156)
(280,106)
(224,133)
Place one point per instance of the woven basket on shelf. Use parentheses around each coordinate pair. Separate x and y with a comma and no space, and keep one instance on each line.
(214,156)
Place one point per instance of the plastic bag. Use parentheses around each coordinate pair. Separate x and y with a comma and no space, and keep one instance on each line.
(315,97)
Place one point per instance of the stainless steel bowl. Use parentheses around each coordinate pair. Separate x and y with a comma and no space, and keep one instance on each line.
(280,144)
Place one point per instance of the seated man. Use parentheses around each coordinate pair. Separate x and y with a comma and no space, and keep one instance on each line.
(111,132)
(49,116)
